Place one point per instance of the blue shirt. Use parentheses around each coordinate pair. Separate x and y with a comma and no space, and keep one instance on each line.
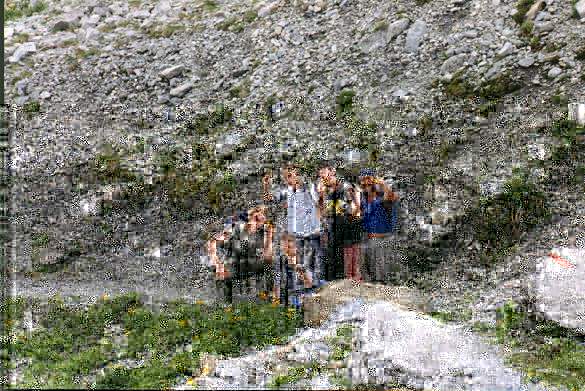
(375,217)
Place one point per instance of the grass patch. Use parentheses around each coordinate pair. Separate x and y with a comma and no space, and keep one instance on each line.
(526,28)
(381,25)
(499,87)
(240,91)
(458,87)
(559,100)
(499,222)
(80,53)
(522,6)
(17,9)
(580,54)
(165,31)
(70,344)
(296,374)
(542,349)
(32,107)
(340,343)
(210,5)
(202,124)
(344,102)
(20,38)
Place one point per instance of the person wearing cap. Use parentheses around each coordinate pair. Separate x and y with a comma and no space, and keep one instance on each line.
(376,205)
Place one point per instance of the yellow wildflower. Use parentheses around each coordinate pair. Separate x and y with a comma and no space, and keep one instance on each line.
(183,322)
(199,302)
(105,297)
(190,381)
(262,295)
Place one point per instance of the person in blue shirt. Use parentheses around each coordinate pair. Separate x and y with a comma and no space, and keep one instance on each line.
(378,202)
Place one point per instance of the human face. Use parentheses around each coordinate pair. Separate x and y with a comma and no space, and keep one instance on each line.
(291,177)
(367,180)
(327,174)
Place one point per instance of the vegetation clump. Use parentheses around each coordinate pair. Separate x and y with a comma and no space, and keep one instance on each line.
(70,344)
(17,9)
(543,350)
(522,7)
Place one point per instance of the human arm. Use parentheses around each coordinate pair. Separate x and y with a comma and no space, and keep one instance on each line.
(266,183)
(220,271)
(268,242)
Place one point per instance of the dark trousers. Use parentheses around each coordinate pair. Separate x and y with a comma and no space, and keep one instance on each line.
(333,262)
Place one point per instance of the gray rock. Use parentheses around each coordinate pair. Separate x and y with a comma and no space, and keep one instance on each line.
(101,11)
(526,62)
(396,28)
(45,95)
(536,7)
(162,8)
(423,350)
(374,41)
(267,9)
(415,35)
(139,14)
(21,87)
(172,72)
(62,25)
(90,34)
(454,63)
(507,49)
(540,27)
(23,51)
(580,7)
(554,72)
(182,89)
(558,287)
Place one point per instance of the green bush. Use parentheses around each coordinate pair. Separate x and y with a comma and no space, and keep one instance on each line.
(580,54)
(526,28)
(500,221)
(17,9)
(72,343)
(458,87)
(344,102)
(522,6)
(499,87)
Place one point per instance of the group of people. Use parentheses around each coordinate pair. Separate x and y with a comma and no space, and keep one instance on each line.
(330,229)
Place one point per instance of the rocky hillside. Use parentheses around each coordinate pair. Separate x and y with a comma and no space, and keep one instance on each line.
(137,126)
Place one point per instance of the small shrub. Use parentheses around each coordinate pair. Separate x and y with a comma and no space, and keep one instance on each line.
(20,38)
(458,87)
(32,107)
(250,16)
(164,31)
(580,54)
(345,101)
(522,6)
(17,9)
(535,43)
(526,28)
(210,5)
(381,25)
(499,87)
(559,100)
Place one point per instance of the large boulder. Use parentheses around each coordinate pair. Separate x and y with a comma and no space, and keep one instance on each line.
(559,288)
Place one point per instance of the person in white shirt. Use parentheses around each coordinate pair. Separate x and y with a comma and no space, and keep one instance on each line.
(300,199)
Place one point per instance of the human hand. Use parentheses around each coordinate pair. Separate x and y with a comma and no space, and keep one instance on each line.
(267,180)
(222,274)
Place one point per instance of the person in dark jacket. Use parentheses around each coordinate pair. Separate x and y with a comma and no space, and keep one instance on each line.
(248,250)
